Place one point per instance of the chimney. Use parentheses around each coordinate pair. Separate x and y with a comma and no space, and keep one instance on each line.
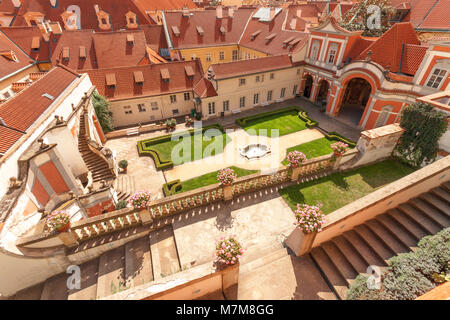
(186,12)
(97,10)
(53,3)
(219,12)
(16,3)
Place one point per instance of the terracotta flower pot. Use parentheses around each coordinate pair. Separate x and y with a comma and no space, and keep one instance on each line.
(64,228)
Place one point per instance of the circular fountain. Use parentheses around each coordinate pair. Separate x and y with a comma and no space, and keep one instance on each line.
(254,151)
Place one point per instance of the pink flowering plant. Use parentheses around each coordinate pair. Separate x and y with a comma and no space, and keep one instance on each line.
(295,159)
(140,199)
(228,250)
(226,176)
(309,218)
(57,219)
(339,148)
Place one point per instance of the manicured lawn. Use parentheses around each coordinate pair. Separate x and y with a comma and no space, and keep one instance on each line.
(286,122)
(340,189)
(167,151)
(210,178)
(312,149)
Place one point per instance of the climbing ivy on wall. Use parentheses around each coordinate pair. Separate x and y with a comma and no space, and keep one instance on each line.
(424,126)
(104,115)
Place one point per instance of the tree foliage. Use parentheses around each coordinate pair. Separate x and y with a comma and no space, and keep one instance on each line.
(424,127)
(409,275)
(360,16)
(104,114)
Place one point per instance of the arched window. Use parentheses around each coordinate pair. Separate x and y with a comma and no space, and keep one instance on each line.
(332,52)
(315,49)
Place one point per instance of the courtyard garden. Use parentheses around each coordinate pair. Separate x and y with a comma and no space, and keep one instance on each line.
(178,186)
(286,120)
(162,149)
(340,189)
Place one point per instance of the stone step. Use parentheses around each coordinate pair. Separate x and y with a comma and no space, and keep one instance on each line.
(89,277)
(387,237)
(352,256)
(442,193)
(340,261)
(55,288)
(254,252)
(31,293)
(397,230)
(438,203)
(435,214)
(138,262)
(446,186)
(374,242)
(111,273)
(164,252)
(330,272)
(407,223)
(366,252)
(420,218)
(262,261)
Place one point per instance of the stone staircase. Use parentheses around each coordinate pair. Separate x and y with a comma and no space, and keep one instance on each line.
(98,166)
(398,230)
(135,263)
(125,186)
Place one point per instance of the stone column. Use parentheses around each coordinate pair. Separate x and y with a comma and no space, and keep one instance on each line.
(68,238)
(227,192)
(146,216)
(299,242)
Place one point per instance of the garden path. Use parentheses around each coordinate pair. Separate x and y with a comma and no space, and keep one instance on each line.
(232,157)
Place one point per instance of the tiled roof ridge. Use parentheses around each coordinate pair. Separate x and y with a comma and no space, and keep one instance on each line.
(118,31)
(18,47)
(68,69)
(244,61)
(428,13)
(140,66)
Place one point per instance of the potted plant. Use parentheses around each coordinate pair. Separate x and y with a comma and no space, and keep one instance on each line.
(226,178)
(122,204)
(189,121)
(140,201)
(228,251)
(295,159)
(339,148)
(59,221)
(123,165)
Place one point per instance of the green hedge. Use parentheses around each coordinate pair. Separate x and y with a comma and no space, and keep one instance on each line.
(302,115)
(145,149)
(334,136)
(171,187)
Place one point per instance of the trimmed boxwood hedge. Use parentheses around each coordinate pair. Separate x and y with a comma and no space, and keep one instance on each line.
(145,149)
(171,187)
(301,113)
(334,136)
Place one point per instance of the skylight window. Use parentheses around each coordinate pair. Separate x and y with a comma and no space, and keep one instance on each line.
(48,96)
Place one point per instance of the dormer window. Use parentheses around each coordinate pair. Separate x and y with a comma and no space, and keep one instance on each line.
(332,53)
(200,31)
(189,72)
(436,78)
(10,55)
(111,80)
(270,37)
(222,30)
(35,44)
(66,53)
(286,42)
(165,75)
(104,21)
(176,31)
(255,34)
(139,78)
(83,53)
(130,39)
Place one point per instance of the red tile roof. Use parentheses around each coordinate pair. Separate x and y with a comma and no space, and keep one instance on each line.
(112,49)
(204,89)
(275,45)
(412,58)
(24,108)
(155,37)
(8,66)
(387,50)
(149,5)
(23,37)
(126,88)
(189,37)
(438,18)
(243,67)
(358,46)
(116,10)
(8,138)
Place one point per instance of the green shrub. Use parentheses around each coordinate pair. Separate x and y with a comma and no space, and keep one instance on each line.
(103,112)
(310,123)
(334,136)
(123,164)
(122,204)
(171,187)
(302,115)
(411,274)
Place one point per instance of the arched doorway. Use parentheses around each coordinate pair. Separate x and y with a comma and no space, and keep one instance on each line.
(323,91)
(354,101)
(308,86)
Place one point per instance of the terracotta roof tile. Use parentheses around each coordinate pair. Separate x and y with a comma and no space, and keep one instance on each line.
(126,88)
(438,18)
(204,89)
(23,37)
(31,103)
(148,5)
(8,138)
(206,19)
(242,67)
(155,37)
(412,58)
(8,66)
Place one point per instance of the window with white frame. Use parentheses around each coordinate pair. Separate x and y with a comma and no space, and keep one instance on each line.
(235,55)
(258,78)
(242,82)
(272,76)
(141,107)
(173,98)
(208,57)
(154,105)
(332,51)
(269,95)
(256,98)
(436,78)
(222,55)
(187,96)
(315,49)
(283,92)
(242,102)
(226,105)
(175,111)
(193,56)
(211,107)
(127,110)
